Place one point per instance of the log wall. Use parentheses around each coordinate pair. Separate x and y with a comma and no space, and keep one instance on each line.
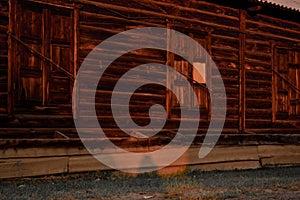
(217,26)
(243,45)
(240,43)
(263,35)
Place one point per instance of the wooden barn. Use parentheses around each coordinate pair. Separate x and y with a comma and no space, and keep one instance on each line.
(254,43)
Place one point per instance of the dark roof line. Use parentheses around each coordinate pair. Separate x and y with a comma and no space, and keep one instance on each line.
(293,5)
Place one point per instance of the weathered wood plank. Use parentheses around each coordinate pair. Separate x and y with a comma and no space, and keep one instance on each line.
(34,152)
(286,160)
(236,165)
(32,167)
(79,164)
(278,150)
(219,158)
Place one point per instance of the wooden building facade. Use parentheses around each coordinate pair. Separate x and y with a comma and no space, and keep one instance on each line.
(255,45)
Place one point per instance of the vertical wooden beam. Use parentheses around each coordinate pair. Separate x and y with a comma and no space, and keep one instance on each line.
(209,69)
(75,60)
(169,62)
(45,51)
(242,74)
(11,57)
(274,81)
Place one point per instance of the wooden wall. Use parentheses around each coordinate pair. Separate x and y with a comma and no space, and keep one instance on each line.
(264,37)
(3,55)
(243,45)
(217,26)
(257,55)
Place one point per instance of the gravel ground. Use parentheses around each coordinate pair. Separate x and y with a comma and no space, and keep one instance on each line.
(271,183)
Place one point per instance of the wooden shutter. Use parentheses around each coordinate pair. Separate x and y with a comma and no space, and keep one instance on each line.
(61,45)
(48,31)
(288,66)
(294,78)
(30,68)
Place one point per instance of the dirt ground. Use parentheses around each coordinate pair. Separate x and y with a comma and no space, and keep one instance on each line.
(270,183)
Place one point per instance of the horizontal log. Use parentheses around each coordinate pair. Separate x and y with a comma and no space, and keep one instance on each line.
(222,58)
(255,40)
(225,53)
(3,13)
(38,121)
(224,47)
(271,36)
(258,48)
(225,39)
(106,94)
(229,137)
(258,103)
(227,69)
(258,75)
(274,21)
(88,15)
(24,133)
(92,29)
(289,133)
(267,30)
(250,60)
(59,4)
(261,93)
(230,81)
(258,123)
(259,55)
(190,9)
(156,14)
(279,26)
(258,83)
(258,113)
(3,28)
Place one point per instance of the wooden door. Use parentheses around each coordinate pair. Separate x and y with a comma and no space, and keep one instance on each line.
(294,78)
(282,87)
(287,83)
(47,34)
(30,67)
(61,45)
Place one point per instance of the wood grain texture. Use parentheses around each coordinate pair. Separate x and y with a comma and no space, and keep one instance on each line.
(33,167)
(258,56)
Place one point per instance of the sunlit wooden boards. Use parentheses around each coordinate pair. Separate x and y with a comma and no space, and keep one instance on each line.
(33,167)
(35,162)
(279,155)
